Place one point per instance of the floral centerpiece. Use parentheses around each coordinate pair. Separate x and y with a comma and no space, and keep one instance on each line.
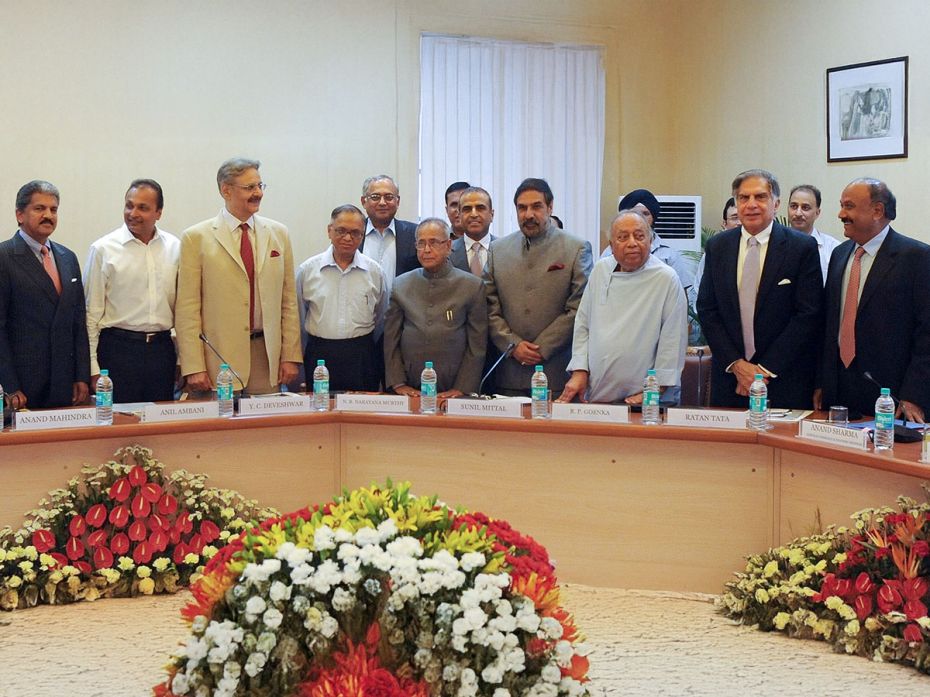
(123,528)
(864,588)
(379,593)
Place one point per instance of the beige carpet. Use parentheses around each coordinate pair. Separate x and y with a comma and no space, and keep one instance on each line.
(645,643)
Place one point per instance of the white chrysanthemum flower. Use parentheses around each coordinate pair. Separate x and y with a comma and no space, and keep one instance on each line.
(551,673)
(194,650)
(492,673)
(460,643)
(451,672)
(324,538)
(367,536)
(387,529)
(330,627)
(199,624)
(528,621)
(343,600)
(343,535)
(505,624)
(255,662)
(255,606)
(300,574)
(571,687)
(180,684)
(473,560)
(495,640)
(405,547)
(550,628)
(218,654)
(563,653)
(272,618)
(347,550)
(279,592)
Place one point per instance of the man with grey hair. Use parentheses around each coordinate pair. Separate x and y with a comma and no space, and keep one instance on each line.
(389,241)
(44,354)
(437,313)
(761,302)
(633,316)
(341,295)
(236,289)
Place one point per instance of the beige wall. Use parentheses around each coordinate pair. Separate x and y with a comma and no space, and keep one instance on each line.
(325,93)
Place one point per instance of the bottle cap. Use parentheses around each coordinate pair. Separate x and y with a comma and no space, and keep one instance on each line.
(104,372)
(320,361)
(224,366)
(651,371)
(539,368)
(759,376)
(429,364)
(886,392)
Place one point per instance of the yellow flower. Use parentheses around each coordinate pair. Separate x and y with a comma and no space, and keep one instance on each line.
(834,602)
(25,566)
(46,560)
(846,612)
(191,558)
(795,556)
(143,572)
(69,570)
(126,564)
(824,628)
(228,513)
(839,558)
(111,575)
(781,620)
(56,576)
(821,565)
(31,553)
(161,564)
(2,554)
(91,594)
(762,596)
(14,582)
(147,586)
(852,627)
(770,569)
(873,625)
(209,551)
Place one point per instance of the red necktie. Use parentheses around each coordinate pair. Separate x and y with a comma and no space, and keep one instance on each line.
(850,305)
(248,260)
(51,269)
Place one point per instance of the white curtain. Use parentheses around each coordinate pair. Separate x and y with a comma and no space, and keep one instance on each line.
(495,112)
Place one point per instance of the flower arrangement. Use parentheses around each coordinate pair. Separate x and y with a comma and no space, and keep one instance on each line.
(379,593)
(864,588)
(123,528)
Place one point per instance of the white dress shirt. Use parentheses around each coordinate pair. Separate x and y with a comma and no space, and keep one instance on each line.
(485,243)
(381,247)
(825,246)
(865,265)
(130,285)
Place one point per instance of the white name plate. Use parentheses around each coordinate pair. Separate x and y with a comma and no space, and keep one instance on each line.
(835,435)
(495,408)
(386,403)
(608,413)
(55,418)
(707,418)
(264,406)
(180,411)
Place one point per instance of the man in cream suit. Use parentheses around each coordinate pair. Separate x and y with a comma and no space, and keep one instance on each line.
(236,287)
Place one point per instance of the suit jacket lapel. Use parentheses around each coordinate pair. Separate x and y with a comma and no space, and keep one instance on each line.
(730,255)
(262,243)
(65,274)
(882,267)
(774,260)
(34,270)
(225,238)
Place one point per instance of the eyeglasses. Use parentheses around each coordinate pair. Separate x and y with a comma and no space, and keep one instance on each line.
(342,232)
(432,244)
(387,198)
(261,186)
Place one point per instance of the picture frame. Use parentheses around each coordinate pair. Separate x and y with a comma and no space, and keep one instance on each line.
(867,110)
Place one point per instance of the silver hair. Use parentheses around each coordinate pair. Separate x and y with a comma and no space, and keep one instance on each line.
(632,211)
(344,209)
(437,222)
(36,186)
(761,174)
(232,168)
(377,178)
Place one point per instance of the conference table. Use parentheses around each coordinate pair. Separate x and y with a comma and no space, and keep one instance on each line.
(617,505)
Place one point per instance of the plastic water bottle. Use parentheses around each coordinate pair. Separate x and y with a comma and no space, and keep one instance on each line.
(651,399)
(759,405)
(539,394)
(320,386)
(428,389)
(1,408)
(884,421)
(104,400)
(224,391)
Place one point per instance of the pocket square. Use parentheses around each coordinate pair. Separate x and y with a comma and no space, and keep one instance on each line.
(275,253)
(74,280)
(784,282)
(556,267)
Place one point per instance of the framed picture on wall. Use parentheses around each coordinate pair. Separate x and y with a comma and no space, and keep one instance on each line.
(867,110)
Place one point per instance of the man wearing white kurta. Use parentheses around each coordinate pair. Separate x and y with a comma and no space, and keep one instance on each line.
(633,317)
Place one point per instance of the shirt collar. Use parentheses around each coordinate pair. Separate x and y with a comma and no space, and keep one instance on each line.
(762,237)
(125,236)
(369,227)
(873,245)
(656,242)
(33,245)
(441,272)
(359,261)
(233,222)
(484,241)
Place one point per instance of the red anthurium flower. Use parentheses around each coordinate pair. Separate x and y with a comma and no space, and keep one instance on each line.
(119,544)
(158,522)
(184,523)
(195,544)
(864,583)
(137,531)
(43,541)
(98,538)
(209,531)
(74,548)
(914,609)
(912,633)
(77,526)
(578,669)
(863,606)
(159,540)
(142,554)
(83,567)
(921,548)
(843,587)
(882,552)
(174,536)
(180,551)
(103,558)
(140,506)
(167,504)
(60,559)
(151,492)
(888,598)
(137,476)
(120,490)
(916,588)
(119,516)
(96,515)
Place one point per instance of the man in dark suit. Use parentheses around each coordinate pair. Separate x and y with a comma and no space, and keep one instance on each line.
(389,241)
(761,302)
(877,309)
(453,194)
(470,252)
(44,353)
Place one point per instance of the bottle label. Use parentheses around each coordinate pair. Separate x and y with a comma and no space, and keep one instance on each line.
(650,398)
(104,399)
(224,392)
(758,404)
(885,421)
(540,394)
(321,387)
(428,389)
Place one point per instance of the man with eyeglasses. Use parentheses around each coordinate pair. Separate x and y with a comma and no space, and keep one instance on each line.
(341,296)
(437,313)
(389,241)
(236,289)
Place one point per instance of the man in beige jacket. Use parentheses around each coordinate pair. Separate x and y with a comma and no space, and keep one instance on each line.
(236,290)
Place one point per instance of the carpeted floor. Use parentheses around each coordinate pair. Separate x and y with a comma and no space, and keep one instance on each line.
(645,643)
